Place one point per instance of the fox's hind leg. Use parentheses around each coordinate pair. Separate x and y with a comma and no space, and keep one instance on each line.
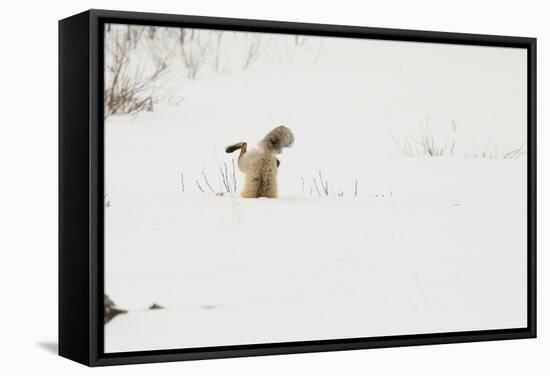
(251,187)
(272,191)
(237,146)
(268,181)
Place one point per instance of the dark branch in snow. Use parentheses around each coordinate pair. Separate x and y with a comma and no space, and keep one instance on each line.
(207,183)
(110,309)
(316,187)
(324,185)
(234,176)
(199,185)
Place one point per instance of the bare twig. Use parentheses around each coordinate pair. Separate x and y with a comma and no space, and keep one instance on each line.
(316,187)
(131,88)
(106,202)
(227,177)
(219,36)
(324,184)
(428,146)
(234,176)
(199,185)
(230,186)
(515,153)
(194,49)
(224,180)
(253,51)
(207,183)
(405,147)
(318,52)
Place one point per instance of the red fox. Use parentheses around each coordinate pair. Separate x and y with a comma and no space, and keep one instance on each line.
(260,164)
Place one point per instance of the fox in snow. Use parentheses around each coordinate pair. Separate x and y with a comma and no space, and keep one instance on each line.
(260,164)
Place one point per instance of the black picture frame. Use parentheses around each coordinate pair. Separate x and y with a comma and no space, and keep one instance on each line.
(81,187)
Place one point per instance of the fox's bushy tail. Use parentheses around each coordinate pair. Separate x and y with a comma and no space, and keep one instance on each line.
(279,138)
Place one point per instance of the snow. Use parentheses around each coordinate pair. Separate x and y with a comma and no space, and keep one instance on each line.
(427,245)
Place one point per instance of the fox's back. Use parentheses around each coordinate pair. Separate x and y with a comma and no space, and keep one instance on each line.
(261,171)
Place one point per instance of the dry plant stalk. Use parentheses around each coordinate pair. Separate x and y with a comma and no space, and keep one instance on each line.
(130,89)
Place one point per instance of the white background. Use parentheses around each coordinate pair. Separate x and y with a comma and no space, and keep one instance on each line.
(28,148)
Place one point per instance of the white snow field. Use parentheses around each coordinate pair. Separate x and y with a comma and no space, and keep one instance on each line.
(426,244)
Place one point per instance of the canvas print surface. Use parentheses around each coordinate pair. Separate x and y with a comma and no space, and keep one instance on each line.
(264,188)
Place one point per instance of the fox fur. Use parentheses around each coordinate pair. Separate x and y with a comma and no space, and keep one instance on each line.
(260,164)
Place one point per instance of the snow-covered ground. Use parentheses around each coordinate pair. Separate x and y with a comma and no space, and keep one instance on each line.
(425,245)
